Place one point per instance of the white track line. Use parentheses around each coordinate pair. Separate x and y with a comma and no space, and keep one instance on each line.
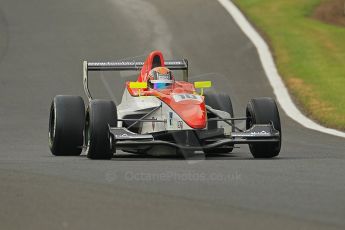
(272,74)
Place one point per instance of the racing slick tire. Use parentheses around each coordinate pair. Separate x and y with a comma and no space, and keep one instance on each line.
(263,111)
(100,114)
(220,101)
(66,125)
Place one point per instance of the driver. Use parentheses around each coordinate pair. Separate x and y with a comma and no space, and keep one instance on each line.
(160,78)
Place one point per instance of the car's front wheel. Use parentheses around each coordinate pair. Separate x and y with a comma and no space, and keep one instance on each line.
(99,116)
(263,111)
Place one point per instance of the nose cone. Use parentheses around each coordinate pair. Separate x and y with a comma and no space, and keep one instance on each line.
(193,115)
(192,111)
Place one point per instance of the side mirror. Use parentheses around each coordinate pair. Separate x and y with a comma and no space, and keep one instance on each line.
(138,85)
(201,85)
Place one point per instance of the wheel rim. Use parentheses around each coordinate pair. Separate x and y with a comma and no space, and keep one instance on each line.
(87,131)
(250,120)
(52,126)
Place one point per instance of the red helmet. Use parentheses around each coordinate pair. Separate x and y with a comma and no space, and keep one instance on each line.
(160,78)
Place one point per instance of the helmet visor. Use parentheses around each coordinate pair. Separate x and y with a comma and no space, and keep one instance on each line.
(161,85)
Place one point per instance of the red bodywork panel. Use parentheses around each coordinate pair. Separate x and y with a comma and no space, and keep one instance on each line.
(193,112)
(155,59)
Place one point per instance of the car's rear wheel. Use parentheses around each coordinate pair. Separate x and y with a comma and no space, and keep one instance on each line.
(220,101)
(66,125)
(99,116)
(263,111)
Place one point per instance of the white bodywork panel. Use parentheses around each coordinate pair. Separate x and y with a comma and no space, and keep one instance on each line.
(136,105)
(221,124)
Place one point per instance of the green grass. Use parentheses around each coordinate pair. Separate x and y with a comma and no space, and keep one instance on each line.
(310,55)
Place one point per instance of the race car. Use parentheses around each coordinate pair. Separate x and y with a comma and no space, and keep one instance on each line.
(159,115)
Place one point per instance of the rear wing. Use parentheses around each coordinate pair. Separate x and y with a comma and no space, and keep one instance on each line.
(181,64)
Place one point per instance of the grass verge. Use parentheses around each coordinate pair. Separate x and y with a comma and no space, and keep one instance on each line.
(309,54)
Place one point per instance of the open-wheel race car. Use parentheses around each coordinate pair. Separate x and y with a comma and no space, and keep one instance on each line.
(159,115)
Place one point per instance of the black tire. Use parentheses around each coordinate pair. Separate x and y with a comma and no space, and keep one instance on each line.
(99,115)
(66,125)
(220,101)
(263,111)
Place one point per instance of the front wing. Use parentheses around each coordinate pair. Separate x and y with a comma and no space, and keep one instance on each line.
(122,138)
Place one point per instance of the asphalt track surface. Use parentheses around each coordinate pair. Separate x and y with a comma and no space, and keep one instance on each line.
(42,45)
